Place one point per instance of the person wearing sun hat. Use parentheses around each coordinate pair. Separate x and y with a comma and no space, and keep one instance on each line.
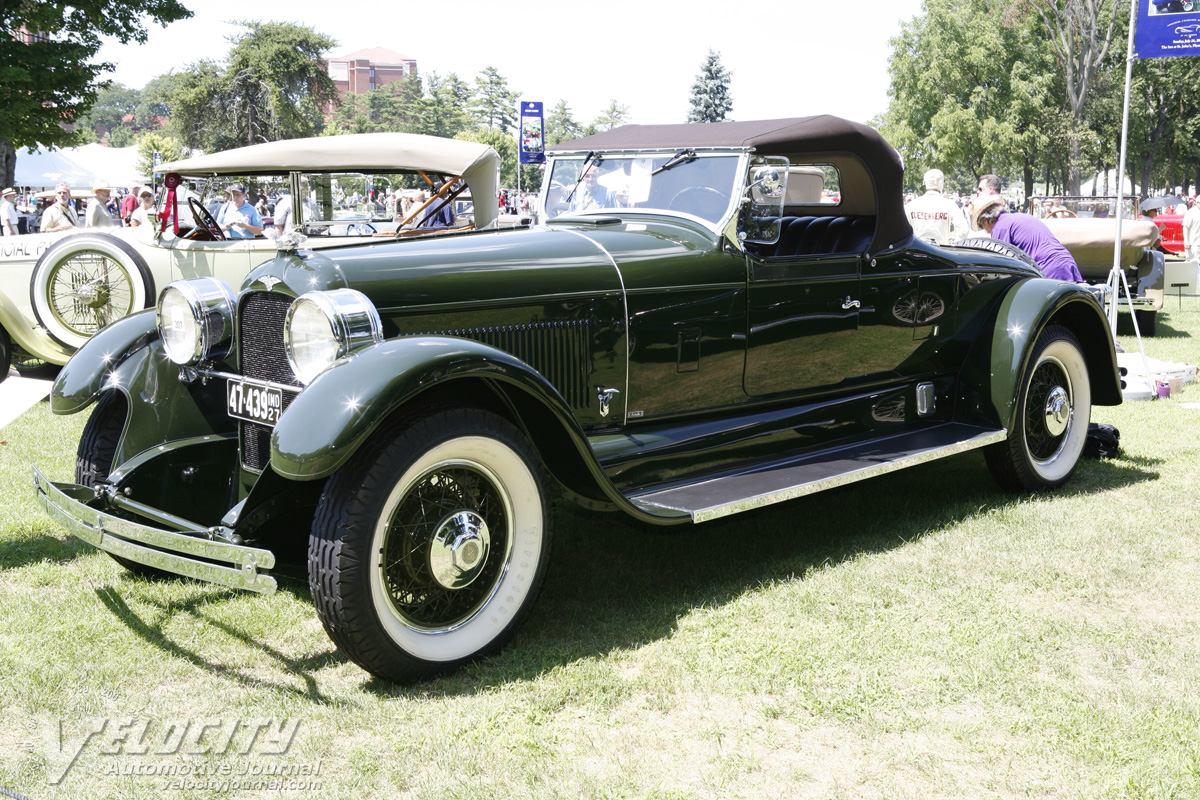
(990,214)
(8,213)
(238,218)
(97,215)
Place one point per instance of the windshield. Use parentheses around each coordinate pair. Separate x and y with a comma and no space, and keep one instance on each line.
(700,186)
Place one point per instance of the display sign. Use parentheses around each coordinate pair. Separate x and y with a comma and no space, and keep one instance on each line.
(533,145)
(1167,28)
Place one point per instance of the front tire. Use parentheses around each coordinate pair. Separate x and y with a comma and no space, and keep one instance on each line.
(1054,406)
(429,548)
(83,282)
(94,459)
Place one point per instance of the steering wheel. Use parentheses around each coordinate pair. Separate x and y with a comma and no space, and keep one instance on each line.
(1062,212)
(361,229)
(698,199)
(206,222)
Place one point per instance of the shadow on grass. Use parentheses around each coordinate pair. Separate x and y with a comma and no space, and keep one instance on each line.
(23,552)
(614,584)
(617,584)
(152,633)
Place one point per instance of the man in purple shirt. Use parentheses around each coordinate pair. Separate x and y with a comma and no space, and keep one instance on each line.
(1029,233)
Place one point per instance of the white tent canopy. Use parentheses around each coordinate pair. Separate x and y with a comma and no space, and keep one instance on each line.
(78,167)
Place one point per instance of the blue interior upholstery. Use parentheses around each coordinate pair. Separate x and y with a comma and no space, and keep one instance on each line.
(810,236)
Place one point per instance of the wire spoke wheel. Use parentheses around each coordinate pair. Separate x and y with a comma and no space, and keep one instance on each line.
(89,290)
(1054,405)
(446,546)
(429,547)
(1048,410)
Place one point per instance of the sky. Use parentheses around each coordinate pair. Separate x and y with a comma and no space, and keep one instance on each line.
(788,59)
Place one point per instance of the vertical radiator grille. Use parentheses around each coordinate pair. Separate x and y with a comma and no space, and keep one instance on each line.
(262,357)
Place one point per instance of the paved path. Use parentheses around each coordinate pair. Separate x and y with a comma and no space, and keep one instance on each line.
(18,395)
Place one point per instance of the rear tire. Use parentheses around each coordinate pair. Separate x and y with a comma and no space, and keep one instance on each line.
(429,548)
(1147,321)
(1054,405)
(5,354)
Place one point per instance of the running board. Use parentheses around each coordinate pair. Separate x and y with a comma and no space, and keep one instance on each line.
(719,497)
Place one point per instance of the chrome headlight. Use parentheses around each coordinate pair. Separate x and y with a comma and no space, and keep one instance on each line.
(322,327)
(195,320)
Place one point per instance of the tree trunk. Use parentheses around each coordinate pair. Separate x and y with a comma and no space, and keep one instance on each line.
(8,163)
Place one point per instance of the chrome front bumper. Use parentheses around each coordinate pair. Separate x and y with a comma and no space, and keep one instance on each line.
(66,503)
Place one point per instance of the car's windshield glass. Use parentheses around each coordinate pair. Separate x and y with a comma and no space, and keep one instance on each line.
(702,187)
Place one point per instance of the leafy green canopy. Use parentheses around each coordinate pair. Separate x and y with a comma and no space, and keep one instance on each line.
(53,80)
(273,85)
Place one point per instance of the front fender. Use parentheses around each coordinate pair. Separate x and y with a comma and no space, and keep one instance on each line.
(1024,312)
(333,416)
(93,367)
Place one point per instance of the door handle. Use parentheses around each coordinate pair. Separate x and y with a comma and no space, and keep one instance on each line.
(848,304)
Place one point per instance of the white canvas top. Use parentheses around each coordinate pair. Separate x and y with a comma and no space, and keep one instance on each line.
(477,164)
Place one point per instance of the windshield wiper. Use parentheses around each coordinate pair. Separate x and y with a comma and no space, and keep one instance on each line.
(682,157)
(590,160)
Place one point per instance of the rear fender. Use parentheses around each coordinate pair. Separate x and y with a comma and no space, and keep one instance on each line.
(334,415)
(1023,315)
(31,338)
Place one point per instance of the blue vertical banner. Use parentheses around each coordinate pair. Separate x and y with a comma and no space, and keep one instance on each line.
(533,144)
(1167,28)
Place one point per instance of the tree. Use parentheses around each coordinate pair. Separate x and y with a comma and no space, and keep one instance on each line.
(609,118)
(168,148)
(1080,34)
(495,105)
(272,86)
(443,110)
(970,92)
(120,136)
(710,93)
(113,103)
(51,81)
(561,125)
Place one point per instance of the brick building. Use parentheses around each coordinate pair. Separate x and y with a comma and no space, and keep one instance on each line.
(360,72)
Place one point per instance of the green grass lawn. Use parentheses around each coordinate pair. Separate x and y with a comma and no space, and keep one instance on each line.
(922,635)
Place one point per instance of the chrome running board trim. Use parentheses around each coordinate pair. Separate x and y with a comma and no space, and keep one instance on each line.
(720,497)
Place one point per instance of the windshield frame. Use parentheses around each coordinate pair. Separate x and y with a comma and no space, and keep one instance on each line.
(600,158)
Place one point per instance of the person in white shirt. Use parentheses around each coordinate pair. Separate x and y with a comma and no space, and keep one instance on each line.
(1191,231)
(934,216)
(97,215)
(144,213)
(8,213)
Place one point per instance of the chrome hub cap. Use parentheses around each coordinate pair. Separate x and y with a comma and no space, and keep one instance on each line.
(459,549)
(1058,411)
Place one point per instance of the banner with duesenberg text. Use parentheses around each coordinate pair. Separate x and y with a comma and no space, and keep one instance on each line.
(1167,28)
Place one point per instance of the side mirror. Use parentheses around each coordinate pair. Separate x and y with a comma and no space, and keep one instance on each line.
(762,204)
(767,181)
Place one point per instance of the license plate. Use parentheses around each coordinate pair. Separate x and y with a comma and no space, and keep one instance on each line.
(253,402)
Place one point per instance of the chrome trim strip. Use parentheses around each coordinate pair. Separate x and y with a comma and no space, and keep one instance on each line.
(209,374)
(65,504)
(870,471)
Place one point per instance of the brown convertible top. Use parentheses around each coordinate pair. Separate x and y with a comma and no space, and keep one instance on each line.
(799,137)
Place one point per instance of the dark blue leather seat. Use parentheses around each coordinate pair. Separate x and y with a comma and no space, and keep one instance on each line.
(812,236)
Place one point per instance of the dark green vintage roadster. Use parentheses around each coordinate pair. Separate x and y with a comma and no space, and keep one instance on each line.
(706,319)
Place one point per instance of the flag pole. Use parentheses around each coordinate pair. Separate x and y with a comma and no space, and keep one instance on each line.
(1114,276)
